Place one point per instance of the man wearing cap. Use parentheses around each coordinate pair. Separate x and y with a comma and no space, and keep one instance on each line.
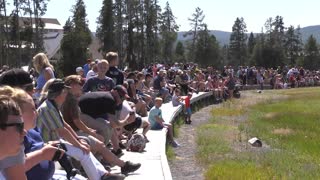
(97,107)
(53,127)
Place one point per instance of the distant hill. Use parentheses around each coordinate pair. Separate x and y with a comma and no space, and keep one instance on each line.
(223,36)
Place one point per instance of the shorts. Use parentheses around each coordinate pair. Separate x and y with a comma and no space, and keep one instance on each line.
(134,125)
(90,139)
(188,111)
(156,126)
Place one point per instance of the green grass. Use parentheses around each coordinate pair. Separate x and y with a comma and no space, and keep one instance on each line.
(288,125)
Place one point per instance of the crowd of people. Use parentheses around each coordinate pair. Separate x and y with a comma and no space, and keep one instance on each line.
(88,116)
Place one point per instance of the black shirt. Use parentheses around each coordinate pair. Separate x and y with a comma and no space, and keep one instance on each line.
(97,104)
(115,74)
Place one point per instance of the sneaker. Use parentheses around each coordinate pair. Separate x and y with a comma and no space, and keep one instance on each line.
(113,177)
(129,167)
(118,153)
(175,144)
(122,146)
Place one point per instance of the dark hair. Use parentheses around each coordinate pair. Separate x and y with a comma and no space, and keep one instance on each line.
(15,78)
(8,107)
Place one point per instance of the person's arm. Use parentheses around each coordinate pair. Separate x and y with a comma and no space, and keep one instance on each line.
(115,122)
(48,74)
(87,130)
(16,172)
(159,119)
(67,135)
(35,157)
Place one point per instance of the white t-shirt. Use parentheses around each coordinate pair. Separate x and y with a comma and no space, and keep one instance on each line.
(90,74)
(126,109)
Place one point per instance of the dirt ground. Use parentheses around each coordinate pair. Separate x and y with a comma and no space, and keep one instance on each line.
(184,166)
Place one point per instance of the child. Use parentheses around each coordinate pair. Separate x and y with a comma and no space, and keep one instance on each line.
(157,122)
(188,108)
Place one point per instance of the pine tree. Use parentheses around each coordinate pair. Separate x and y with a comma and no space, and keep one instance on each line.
(293,44)
(168,33)
(207,49)
(105,30)
(179,52)
(312,56)
(75,43)
(197,24)
(251,43)
(237,45)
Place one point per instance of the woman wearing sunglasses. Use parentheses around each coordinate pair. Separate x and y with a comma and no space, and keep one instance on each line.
(11,130)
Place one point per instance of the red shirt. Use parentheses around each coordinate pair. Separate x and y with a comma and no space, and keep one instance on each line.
(187,101)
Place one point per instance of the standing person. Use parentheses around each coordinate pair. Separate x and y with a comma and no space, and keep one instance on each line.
(100,82)
(188,108)
(113,72)
(157,122)
(53,127)
(44,69)
(11,125)
(86,67)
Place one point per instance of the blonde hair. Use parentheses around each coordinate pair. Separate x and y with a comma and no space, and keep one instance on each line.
(72,79)
(158,99)
(103,61)
(17,94)
(110,56)
(41,61)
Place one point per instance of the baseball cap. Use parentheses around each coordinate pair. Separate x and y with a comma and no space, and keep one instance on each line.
(56,86)
(122,91)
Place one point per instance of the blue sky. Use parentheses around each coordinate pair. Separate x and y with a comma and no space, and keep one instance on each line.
(220,15)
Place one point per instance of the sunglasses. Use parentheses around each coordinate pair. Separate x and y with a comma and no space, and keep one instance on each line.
(19,126)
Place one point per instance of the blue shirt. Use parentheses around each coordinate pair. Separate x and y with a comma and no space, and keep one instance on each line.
(43,170)
(152,116)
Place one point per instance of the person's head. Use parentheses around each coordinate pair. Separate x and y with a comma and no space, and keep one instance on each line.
(103,67)
(190,94)
(41,61)
(74,81)
(56,90)
(89,61)
(158,102)
(177,91)
(79,71)
(148,78)
(11,127)
(25,102)
(120,94)
(18,78)
(140,76)
(112,58)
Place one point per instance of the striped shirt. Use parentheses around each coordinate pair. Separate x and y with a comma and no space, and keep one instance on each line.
(48,121)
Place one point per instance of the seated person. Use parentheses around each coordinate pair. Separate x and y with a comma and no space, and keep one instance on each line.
(71,114)
(128,108)
(53,127)
(176,98)
(156,121)
(141,106)
(11,132)
(101,111)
